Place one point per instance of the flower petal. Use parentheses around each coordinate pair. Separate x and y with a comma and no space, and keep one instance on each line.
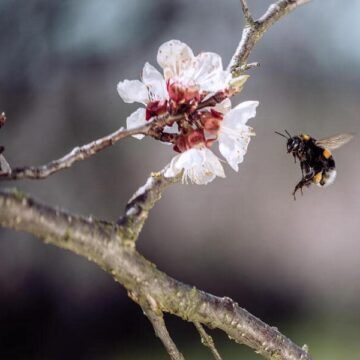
(174,56)
(234,135)
(133,91)
(155,82)
(240,114)
(223,107)
(214,163)
(206,72)
(201,166)
(136,119)
(233,150)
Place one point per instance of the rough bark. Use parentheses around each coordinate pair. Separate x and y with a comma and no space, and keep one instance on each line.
(109,246)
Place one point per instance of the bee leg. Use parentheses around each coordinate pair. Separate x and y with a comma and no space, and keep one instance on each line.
(299,186)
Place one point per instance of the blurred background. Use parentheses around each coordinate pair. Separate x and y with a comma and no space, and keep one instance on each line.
(294,264)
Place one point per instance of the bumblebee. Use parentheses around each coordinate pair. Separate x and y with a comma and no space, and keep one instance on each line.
(316,161)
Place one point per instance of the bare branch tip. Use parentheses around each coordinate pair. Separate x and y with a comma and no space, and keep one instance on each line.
(162,333)
(207,340)
(247,14)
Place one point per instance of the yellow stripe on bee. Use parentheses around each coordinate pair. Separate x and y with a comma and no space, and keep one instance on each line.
(306,137)
(326,153)
(317,178)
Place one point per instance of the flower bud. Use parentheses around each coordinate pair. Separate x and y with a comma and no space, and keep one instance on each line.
(211,121)
(195,138)
(236,84)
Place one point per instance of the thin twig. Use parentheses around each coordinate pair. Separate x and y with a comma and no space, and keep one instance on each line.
(158,323)
(250,66)
(243,68)
(86,151)
(207,340)
(78,153)
(247,14)
(253,33)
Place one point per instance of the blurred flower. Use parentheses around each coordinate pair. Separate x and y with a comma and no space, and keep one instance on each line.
(4,165)
(2,119)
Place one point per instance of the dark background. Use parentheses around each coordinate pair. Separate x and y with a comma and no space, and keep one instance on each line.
(294,264)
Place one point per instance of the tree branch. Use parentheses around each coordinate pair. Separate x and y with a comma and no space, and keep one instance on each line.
(111,245)
(157,321)
(78,153)
(247,14)
(207,340)
(86,151)
(107,245)
(255,30)
(144,199)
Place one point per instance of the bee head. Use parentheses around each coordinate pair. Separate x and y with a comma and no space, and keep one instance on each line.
(293,144)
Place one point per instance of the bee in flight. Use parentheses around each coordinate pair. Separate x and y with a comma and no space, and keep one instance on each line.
(316,161)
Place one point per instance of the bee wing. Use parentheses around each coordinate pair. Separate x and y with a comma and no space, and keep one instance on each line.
(334,142)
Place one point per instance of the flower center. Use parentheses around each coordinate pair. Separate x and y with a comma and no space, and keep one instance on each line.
(211,121)
(156,108)
(183,99)
(193,139)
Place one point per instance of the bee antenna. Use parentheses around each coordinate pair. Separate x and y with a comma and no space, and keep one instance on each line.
(276,132)
(288,133)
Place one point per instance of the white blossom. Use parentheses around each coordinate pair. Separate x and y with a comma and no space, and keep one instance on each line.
(133,91)
(136,119)
(234,135)
(152,87)
(200,166)
(204,71)
(223,107)
(187,81)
